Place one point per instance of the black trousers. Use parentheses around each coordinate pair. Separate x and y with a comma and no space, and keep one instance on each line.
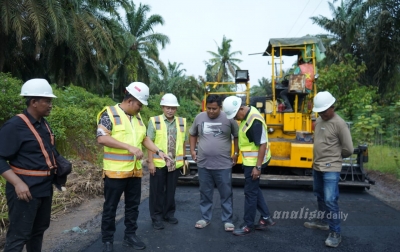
(28,221)
(113,189)
(162,194)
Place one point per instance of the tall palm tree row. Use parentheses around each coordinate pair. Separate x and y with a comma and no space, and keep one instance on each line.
(84,42)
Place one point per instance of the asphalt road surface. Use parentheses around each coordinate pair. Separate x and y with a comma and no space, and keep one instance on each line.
(367,225)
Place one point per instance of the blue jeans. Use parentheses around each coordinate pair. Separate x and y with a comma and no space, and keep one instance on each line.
(254,199)
(326,188)
(223,179)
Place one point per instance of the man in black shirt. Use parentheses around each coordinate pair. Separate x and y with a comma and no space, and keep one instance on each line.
(27,162)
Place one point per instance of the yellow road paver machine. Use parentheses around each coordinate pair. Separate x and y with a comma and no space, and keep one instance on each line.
(290,127)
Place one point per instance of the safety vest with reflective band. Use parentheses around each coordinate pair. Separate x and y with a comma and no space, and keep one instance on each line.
(161,139)
(120,163)
(51,163)
(249,149)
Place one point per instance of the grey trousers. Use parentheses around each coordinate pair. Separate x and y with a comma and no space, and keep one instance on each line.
(223,180)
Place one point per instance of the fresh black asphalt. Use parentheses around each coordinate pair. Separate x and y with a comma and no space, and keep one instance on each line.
(370,225)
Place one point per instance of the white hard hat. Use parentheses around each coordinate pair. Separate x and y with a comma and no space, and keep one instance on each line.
(140,91)
(323,101)
(231,106)
(169,100)
(37,87)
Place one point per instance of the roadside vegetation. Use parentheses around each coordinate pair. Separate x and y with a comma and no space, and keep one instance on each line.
(89,53)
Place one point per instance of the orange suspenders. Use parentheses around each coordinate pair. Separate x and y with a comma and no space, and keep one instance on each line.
(36,173)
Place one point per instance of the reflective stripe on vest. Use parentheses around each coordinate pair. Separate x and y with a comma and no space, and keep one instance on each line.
(32,173)
(117,118)
(177,158)
(139,120)
(250,120)
(157,122)
(254,154)
(119,157)
(43,149)
(181,124)
(123,174)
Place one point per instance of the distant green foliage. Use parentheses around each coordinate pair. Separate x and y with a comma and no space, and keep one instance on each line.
(10,101)
(73,120)
(385,159)
(340,79)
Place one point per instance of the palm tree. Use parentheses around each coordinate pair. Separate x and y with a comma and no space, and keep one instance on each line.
(223,62)
(142,54)
(63,41)
(339,42)
(379,48)
(367,29)
(263,88)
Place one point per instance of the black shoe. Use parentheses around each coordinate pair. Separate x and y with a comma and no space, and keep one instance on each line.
(133,241)
(171,220)
(158,225)
(264,223)
(243,230)
(108,247)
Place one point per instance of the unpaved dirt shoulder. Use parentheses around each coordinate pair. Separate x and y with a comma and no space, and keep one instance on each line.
(85,220)
(386,188)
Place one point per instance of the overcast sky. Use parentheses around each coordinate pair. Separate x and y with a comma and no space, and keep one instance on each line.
(195,26)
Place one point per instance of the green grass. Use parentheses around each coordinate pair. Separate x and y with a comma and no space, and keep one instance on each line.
(384,159)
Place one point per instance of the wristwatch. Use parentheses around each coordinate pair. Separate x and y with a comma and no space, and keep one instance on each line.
(258,168)
(158,152)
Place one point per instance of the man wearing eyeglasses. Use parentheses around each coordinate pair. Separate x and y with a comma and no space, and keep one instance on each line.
(332,142)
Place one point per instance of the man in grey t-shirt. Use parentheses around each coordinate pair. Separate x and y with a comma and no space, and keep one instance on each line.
(213,133)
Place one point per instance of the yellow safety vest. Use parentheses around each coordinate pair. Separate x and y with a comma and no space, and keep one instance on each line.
(249,149)
(120,163)
(162,142)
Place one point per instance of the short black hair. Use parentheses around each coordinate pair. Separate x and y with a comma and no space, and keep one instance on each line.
(214,98)
(28,99)
(127,96)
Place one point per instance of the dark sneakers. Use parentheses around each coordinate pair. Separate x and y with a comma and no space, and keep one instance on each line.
(158,225)
(243,230)
(133,241)
(333,240)
(171,220)
(108,247)
(263,223)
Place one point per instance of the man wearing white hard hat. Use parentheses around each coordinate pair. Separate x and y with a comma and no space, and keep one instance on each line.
(169,132)
(253,144)
(332,142)
(27,162)
(122,133)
